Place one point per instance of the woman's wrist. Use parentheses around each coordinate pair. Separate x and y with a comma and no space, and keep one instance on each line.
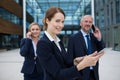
(80,66)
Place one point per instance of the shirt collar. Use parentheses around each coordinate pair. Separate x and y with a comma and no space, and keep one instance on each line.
(50,37)
(84,34)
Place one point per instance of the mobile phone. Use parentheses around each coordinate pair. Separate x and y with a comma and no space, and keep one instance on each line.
(93,28)
(101,51)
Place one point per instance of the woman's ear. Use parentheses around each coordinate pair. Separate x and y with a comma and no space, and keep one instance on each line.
(47,21)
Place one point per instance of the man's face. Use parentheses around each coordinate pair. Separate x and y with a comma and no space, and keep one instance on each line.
(86,23)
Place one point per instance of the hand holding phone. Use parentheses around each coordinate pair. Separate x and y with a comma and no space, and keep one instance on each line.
(93,28)
(29,35)
(101,51)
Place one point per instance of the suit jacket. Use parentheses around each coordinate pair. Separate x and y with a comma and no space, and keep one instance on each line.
(77,48)
(54,61)
(27,51)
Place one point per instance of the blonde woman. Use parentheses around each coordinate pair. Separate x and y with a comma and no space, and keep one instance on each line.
(31,67)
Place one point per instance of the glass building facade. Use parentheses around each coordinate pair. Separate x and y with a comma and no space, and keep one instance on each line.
(107,17)
(9,40)
(11,23)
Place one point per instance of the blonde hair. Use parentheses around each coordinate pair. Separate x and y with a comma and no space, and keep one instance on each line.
(33,23)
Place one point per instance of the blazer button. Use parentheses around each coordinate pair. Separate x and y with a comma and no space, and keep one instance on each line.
(35,57)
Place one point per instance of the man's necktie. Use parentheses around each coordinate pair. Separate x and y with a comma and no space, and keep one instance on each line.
(89,50)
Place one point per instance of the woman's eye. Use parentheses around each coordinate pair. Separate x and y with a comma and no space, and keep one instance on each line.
(57,20)
(37,29)
(32,29)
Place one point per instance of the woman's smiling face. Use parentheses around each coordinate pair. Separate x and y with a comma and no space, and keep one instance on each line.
(56,24)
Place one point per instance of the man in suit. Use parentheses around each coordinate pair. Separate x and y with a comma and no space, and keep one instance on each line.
(78,46)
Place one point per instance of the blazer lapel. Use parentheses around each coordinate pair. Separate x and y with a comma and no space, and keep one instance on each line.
(56,46)
(57,53)
(32,49)
(81,38)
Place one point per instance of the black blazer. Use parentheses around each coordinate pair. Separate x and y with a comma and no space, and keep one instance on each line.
(77,47)
(27,51)
(54,61)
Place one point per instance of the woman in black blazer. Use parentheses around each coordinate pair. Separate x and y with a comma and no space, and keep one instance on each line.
(31,67)
(52,54)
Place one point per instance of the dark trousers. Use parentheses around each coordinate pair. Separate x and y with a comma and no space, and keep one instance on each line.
(34,76)
(92,75)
